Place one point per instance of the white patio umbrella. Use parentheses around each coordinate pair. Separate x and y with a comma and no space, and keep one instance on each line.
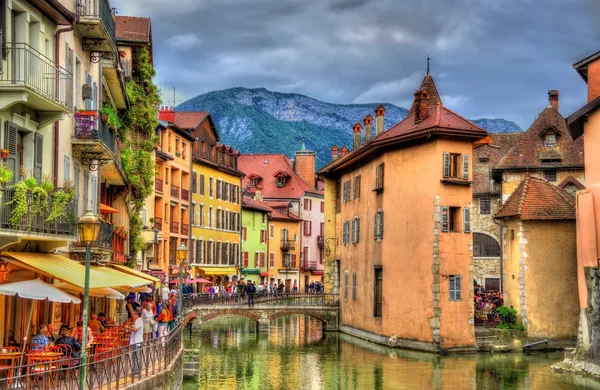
(38,290)
(104,292)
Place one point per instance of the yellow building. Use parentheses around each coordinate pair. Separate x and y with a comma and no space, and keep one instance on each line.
(215,216)
(284,247)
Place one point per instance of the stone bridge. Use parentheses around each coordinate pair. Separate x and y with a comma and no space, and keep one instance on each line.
(199,308)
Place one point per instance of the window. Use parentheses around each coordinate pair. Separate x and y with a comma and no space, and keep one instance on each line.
(295,237)
(356,187)
(455,292)
(455,167)
(263,236)
(346,191)
(450,218)
(201,215)
(219,189)
(244,236)
(379,178)
(256,260)
(167,175)
(355,230)
(245,259)
(345,285)
(322,206)
(253,182)
(467,220)
(484,206)
(378,296)
(194,182)
(307,204)
(294,261)
(271,231)
(485,246)
(550,140)
(305,256)
(550,175)
(271,259)
(307,228)
(211,187)
(378,226)
(346,233)
(280,181)
(354,287)
(264,218)
(210,217)
(183,150)
(227,191)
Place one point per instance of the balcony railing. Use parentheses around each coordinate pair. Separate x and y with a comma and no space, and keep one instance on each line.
(35,218)
(159,185)
(88,126)
(320,241)
(174,191)
(190,302)
(308,265)
(287,245)
(185,229)
(99,9)
(175,227)
(185,194)
(105,238)
(23,65)
(158,222)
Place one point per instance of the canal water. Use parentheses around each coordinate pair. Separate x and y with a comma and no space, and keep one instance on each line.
(297,354)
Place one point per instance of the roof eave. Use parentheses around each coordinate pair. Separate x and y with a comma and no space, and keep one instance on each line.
(575,121)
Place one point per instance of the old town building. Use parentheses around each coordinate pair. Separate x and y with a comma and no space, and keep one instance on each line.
(540,251)
(403,250)
(283,183)
(255,243)
(284,247)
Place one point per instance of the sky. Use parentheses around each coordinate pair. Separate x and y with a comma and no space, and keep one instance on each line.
(489,58)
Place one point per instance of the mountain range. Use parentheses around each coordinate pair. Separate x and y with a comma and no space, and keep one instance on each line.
(261,121)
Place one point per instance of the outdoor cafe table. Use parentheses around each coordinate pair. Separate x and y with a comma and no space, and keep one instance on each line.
(45,358)
(10,358)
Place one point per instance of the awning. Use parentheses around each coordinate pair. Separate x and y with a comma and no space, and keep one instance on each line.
(71,271)
(198,280)
(38,290)
(317,272)
(251,271)
(264,274)
(219,270)
(134,272)
(103,292)
(104,209)
(154,272)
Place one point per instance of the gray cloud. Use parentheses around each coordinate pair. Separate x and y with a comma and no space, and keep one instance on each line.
(489,58)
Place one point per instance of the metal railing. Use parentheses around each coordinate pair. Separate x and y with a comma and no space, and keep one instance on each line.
(287,245)
(23,65)
(90,127)
(158,185)
(308,264)
(175,227)
(262,299)
(174,191)
(35,219)
(105,238)
(99,9)
(185,194)
(116,368)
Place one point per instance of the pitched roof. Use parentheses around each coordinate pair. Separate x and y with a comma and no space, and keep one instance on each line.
(190,120)
(501,144)
(576,120)
(434,96)
(536,199)
(280,216)
(265,166)
(133,29)
(249,203)
(530,151)
(581,66)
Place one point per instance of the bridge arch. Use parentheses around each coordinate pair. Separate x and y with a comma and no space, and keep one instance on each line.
(209,315)
(284,313)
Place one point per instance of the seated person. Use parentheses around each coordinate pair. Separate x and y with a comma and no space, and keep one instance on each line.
(102,319)
(40,341)
(95,324)
(65,339)
(79,334)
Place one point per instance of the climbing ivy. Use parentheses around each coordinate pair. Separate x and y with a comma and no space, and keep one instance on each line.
(138,132)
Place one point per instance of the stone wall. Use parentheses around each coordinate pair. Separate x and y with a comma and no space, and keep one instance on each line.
(169,379)
(486,267)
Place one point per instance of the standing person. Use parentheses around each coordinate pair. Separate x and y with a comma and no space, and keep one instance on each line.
(162,320)
(295,287)
(250,291)
(147,317)
(164,293)
(136,338)
(172,309)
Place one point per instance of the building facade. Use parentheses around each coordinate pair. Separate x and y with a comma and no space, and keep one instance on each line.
(284,248)
(255,242)
(403,250)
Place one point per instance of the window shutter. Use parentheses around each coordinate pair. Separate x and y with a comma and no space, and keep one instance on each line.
(201,184)
(194,182)
(380,225)
(381,174)
(467,219)
(358,186)
(39,156)
(376,226)
(357,230)
(10,143)
(465,170)
(310,228)
(354,189)
(446,164)
(445,224)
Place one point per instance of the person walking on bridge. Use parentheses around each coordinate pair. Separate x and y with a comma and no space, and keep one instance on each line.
(250,291)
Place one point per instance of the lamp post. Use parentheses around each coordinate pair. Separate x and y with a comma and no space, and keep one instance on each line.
(88,228)
(181,256)
(327,248)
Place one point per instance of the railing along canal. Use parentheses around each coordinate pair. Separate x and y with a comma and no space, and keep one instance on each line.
(265,299)
(112,368)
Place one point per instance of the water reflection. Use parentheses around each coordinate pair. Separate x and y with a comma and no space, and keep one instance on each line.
(297,354)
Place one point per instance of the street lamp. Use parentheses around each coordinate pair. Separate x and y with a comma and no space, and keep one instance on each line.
(327,248)
(88,228)
(181,256)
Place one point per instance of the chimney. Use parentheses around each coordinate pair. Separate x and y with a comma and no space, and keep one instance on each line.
(553,98)
(304,165)
(421,105)
(356,133)
(368,121)
(334,153)
(379,120)
(166,114)
(344,151)
(258,195)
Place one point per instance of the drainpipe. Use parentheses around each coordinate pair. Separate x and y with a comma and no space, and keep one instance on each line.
(57,123)
(501,225)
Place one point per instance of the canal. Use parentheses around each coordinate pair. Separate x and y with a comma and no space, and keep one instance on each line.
(297,354)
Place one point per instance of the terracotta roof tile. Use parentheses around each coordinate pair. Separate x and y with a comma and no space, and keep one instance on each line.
(530,151)
(265,166)
(501,144)
(536,199)
(434,96)
(189,120)
(130,28)
(255,204)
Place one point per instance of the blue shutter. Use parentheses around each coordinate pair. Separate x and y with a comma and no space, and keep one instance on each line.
(445,216)
(465,167)
(446,164)
(467,219)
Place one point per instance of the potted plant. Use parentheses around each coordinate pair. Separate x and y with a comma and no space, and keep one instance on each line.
(88,113)
(4,153)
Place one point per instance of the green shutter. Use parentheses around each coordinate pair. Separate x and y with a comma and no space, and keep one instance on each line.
(38,141)
(446,164)
(465,166)
(467,219)
(445,224)
(10,143)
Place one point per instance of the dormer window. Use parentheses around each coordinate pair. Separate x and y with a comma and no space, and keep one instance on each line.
(281,178)
(280,181)
(253,182)
(550,140)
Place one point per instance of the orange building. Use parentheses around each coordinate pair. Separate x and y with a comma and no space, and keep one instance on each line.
(172,193)
(398,206)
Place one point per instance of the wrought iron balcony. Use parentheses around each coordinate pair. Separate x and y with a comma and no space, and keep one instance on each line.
(174,191)
(308,265)
(104,241)
(24,68)
(35,219)
(320,243)
(287,245)
(158,186)
(96,26)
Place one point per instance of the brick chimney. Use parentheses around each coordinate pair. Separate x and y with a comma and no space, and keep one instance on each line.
(344,151)
(368,121)
(421,105)
(334,153)
(166,114)
(356,134)
(258,195)
(379,120)
(553,98)
(304,165)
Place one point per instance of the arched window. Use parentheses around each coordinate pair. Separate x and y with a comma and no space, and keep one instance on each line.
(485,246)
